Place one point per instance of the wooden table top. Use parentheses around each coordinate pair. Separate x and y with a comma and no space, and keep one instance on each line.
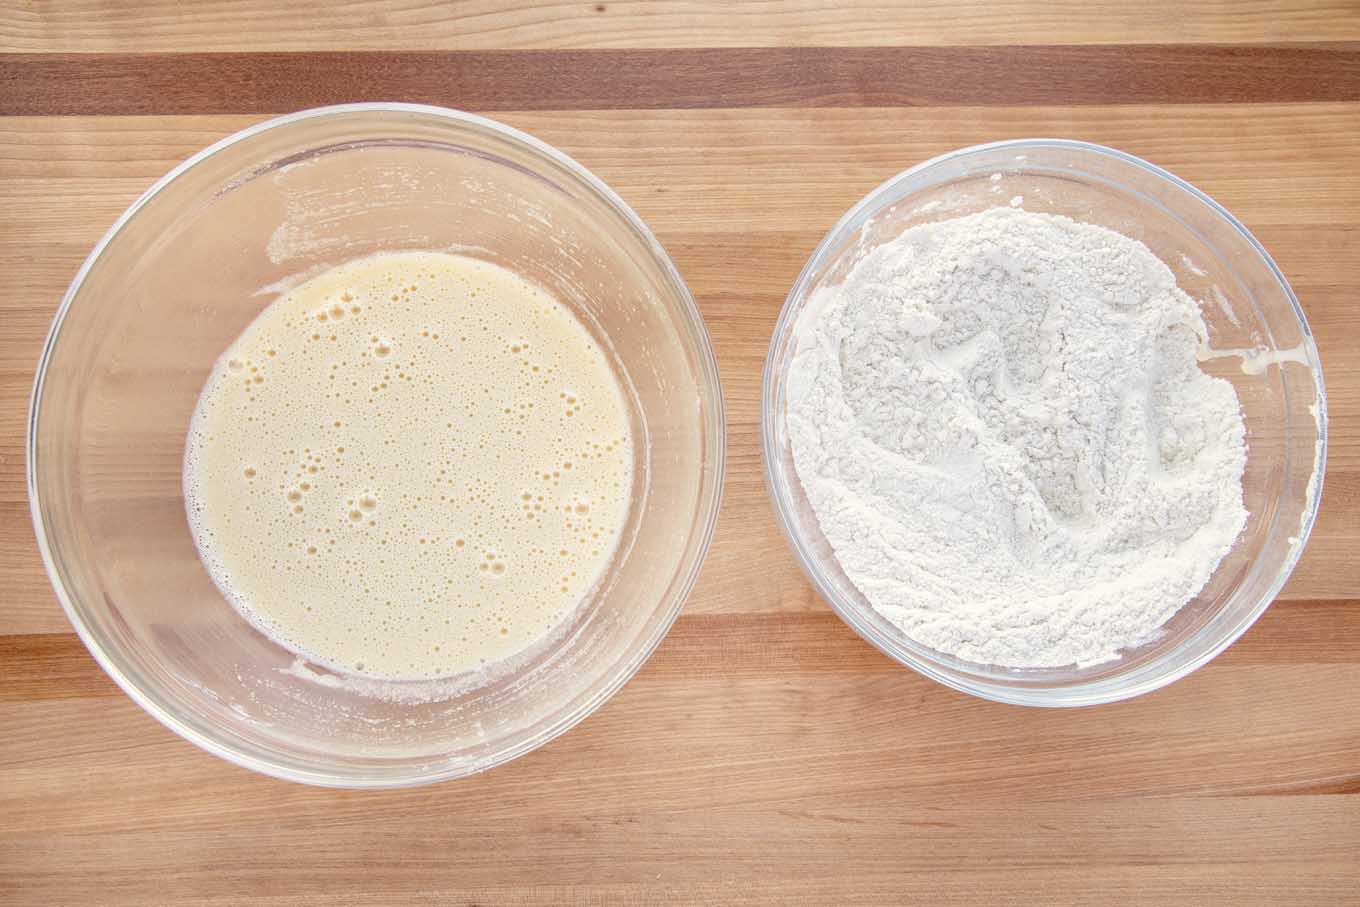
(765,753)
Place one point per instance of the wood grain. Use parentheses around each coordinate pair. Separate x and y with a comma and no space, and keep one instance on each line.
(161,26)
(765,754)
(121,84)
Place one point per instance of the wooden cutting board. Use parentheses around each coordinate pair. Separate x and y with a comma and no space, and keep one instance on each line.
(765,754)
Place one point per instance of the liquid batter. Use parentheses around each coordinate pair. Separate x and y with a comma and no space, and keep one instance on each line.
(409,466)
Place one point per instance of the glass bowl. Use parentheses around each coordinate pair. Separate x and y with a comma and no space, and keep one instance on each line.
(175,281)
(1247,306)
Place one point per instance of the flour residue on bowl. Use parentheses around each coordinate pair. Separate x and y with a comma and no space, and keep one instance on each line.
(1002,428)
(411,466)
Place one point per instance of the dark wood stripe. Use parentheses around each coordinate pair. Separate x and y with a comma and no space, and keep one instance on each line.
(50,666)
(80,84)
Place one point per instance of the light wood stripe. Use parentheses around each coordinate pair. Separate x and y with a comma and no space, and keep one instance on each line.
(161,26)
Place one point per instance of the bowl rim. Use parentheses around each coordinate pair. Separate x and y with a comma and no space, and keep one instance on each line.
(380,775)
(1083,693)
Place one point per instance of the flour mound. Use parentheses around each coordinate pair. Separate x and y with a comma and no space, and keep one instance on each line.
(1002,428)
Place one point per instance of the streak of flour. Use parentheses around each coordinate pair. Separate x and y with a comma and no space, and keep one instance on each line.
(1002,428)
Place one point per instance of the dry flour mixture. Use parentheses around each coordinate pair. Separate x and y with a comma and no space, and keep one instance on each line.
(1003,430)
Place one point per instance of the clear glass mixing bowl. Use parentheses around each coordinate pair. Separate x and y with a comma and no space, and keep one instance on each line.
(1247,305)
(179,276)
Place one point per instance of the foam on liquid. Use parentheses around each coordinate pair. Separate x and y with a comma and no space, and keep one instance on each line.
(410,466)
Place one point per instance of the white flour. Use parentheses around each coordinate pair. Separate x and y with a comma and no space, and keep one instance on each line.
(1001,425)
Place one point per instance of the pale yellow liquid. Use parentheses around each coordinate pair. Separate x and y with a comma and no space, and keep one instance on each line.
(410,466)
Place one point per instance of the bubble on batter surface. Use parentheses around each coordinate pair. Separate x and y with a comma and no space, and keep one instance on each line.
(412,476)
